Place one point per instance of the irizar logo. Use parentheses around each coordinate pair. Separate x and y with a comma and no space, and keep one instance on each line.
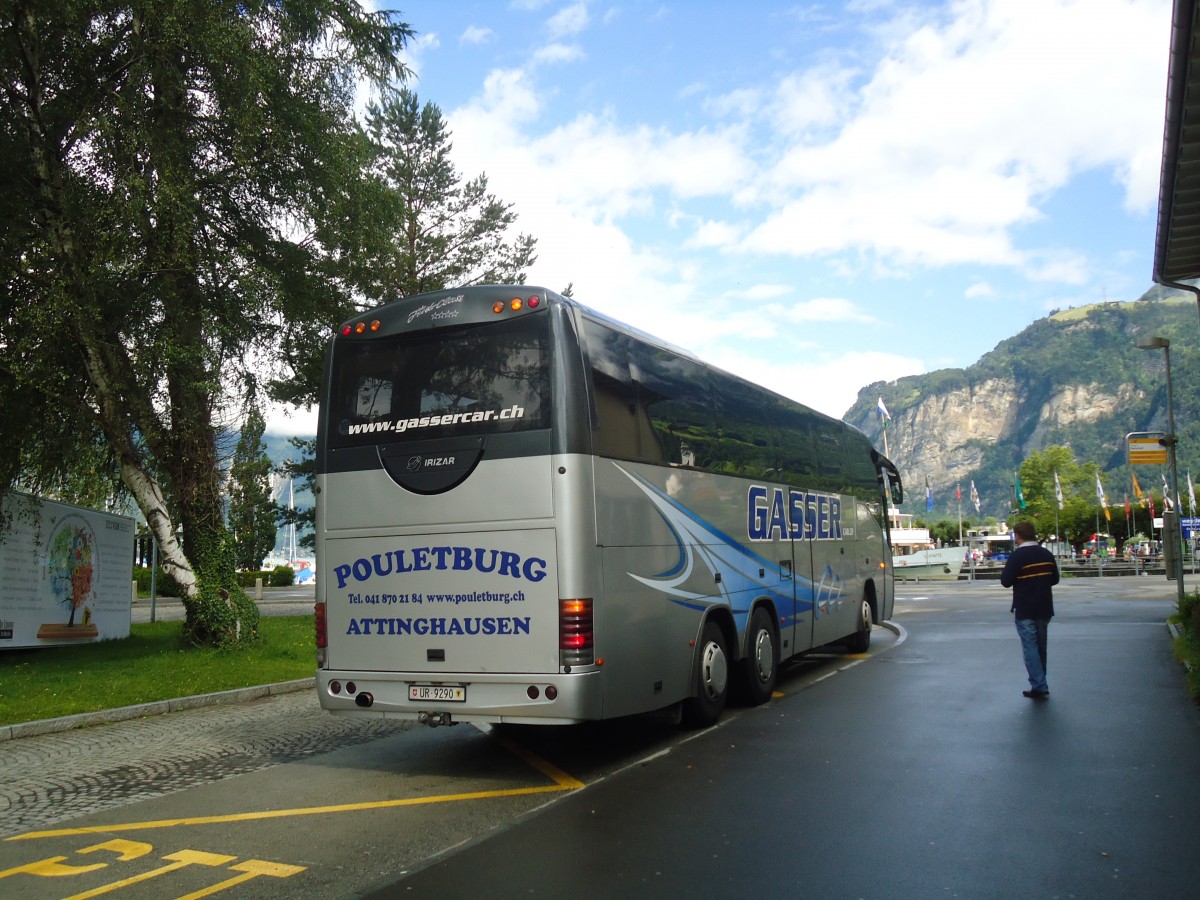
(416,463)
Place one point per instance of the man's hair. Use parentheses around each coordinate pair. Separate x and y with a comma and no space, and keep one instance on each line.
(1025,531)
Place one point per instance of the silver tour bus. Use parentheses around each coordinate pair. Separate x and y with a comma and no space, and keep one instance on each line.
(530,513)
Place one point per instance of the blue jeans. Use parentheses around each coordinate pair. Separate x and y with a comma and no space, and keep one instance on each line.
(1033,645)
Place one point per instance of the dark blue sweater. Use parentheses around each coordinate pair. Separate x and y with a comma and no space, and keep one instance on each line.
(1031,572)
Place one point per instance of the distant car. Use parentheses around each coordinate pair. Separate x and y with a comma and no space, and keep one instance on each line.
(1002,556)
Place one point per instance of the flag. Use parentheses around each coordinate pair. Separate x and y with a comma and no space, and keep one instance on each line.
(1020,494)
(1128,507)
(928,496)
(1100,496)
(1137,489)
(1151,501)
(1168,503)
(884,415)
(1191,495)
(958,492)
(974,495)
(1058,495)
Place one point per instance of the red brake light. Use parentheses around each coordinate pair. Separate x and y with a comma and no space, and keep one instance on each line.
(576,635)
(321,626)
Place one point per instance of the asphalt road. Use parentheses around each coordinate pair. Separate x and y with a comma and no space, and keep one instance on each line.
(918,771)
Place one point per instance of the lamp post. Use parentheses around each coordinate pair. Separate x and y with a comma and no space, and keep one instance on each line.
(1161,343)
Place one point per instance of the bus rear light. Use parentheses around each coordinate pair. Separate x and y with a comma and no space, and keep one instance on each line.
(575,632)
(321,625)
(516,304)
(361,327)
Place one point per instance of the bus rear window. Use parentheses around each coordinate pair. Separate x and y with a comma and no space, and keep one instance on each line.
(480,379)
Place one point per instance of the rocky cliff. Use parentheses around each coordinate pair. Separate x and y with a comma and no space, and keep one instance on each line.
(1074,379)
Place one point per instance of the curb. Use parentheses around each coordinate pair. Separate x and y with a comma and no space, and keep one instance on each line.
(157,708)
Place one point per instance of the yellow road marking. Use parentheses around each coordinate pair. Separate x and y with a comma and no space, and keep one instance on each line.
(251,868)
(562,782)
(178,861)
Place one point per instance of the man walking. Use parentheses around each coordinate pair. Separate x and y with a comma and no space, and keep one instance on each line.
(1031,572)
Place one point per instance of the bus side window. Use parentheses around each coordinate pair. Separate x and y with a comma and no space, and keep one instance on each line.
(795,452)
(617,425)
(674,397)
(743,426)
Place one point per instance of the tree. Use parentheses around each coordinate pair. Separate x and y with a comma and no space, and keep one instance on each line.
(161,158)
(252,514)
(305,469)
(445,233)
(430,231)
(1076,521)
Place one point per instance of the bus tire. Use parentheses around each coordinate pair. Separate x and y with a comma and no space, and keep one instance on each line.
(711,679)
(760,667)
(860,641)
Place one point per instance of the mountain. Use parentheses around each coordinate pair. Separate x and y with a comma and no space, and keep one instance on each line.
(1075,378)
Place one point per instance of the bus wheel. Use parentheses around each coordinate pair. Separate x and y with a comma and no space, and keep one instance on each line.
(712,679)
(760,668)
(860,641)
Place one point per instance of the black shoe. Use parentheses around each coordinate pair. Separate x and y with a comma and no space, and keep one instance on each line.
(1037,695)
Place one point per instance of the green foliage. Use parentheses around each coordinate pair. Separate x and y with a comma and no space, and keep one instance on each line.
(1187,644)
(252,512)
(164,584)
(282,576)
(444,232)
(161,158)
(221,614)
(155,662)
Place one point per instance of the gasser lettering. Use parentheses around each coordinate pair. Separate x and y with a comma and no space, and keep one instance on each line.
(782,514)
(457,559)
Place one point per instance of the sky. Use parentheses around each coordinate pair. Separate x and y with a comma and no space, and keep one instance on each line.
(815,196)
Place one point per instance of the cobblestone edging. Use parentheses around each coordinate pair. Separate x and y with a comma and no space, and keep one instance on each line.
(158,708)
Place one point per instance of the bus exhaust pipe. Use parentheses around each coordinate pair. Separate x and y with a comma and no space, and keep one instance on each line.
(433,720)
(364,699)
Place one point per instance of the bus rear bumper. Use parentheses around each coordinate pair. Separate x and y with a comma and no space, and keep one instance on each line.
(528,699)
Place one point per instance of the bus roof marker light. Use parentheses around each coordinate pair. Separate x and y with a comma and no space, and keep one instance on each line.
(376,324)
(346,329)
(533,302)
(498,306)
(360,327)
(516,303)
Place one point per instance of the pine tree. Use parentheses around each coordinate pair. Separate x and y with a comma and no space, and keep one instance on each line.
(252,514)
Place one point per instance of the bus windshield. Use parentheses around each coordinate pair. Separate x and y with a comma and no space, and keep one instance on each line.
(478,379)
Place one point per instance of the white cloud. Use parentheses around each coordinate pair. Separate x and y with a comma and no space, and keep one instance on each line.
(979,289)
(568,21)
(824,309)
(475,35)
(290,420)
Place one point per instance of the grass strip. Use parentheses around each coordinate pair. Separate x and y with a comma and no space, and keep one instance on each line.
(153,663)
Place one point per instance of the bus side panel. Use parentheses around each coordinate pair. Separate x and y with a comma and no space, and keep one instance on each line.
(675,547)
(837,585)
(643,638)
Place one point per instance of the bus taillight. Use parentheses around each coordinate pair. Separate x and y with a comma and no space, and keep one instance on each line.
(575,632)
(322,632)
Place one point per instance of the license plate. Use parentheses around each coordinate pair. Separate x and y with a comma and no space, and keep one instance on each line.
(440,693)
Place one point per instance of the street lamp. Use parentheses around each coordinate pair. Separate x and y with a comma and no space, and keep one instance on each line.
(1161,343)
